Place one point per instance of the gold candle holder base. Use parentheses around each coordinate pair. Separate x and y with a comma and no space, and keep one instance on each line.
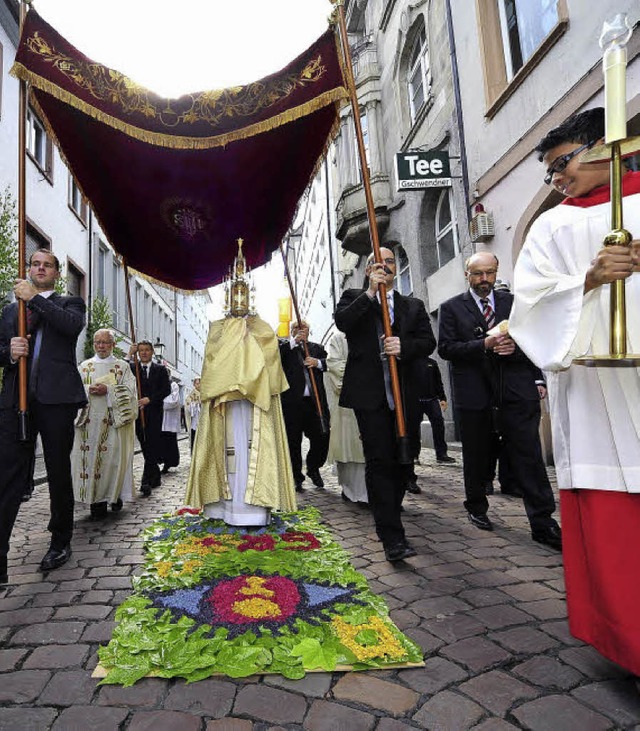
(630,360)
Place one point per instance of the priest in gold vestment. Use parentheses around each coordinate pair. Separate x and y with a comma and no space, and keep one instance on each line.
(240,468)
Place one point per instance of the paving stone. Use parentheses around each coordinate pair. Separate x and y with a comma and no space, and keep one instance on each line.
(560,630)
(448,710)
(327,716)
(440,606)
(428,643)
(592,664)
(212,697)
(51,633)
(546,608)
(391,724)
(524,640)
(497,691)
(391,698)
(97,597)
(313,685)
(22,686)
(99,632)
(270,704)
(437,674)
(229,724)
(484,597)
(494,724)
(146,693)
(26,719)
(10,659)
(57,656)
(619,701)
(83,718)
(112,582)
(56,599)
(477,653)
(548,672)
(451,629)
(13,602)
(530,592)
(25,616)
(68,688)
(502,615)
(559,713)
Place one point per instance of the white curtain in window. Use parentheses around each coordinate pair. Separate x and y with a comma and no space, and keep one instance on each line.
(536,19)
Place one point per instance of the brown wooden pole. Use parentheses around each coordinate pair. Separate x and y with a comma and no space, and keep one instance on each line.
(324,426)
(23,421)
(401,428)
(132,332)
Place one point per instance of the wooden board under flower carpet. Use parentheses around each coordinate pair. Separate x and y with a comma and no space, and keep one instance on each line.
(214,599)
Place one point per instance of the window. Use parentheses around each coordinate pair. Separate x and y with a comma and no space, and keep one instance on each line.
(404,283)
(115,294)
(77,202)
(35,240)
(514,36)
(75,280)
(446,230)
(524,25)
(1,76)
(364,124)
(101,272)
(39,145)
(419,76)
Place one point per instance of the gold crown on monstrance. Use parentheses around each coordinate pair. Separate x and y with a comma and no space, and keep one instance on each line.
(239,290)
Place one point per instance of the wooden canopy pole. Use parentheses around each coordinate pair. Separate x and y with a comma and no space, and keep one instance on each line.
(23,417)
(404,456)
(324,426)
(132,332)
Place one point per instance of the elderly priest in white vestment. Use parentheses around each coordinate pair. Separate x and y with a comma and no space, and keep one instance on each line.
(102,456)
(240,467)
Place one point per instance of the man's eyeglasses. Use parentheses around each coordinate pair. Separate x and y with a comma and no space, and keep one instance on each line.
(560,163)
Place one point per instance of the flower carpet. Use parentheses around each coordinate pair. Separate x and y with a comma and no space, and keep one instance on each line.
(215,599)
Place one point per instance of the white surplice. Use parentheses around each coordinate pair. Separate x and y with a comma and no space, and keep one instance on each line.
(102,455)
(595,412)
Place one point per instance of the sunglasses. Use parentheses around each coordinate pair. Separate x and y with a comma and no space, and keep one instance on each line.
(560,163)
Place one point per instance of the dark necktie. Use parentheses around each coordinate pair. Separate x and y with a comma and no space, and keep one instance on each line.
(488,313)
(144,372)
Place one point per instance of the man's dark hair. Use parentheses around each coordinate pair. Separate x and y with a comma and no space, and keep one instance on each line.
(49,253)
(580,128)
(146,342)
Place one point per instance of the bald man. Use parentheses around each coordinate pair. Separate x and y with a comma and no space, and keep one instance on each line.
(495,390)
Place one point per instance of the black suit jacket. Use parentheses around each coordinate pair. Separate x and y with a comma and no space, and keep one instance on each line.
(156,388)
(480,378)
(360,319)
(54,379)
(293,367)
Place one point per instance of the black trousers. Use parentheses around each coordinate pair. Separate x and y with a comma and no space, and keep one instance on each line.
(433,410)
(303,419)
(54,424)
(385,477)
(518,423)
(150,439)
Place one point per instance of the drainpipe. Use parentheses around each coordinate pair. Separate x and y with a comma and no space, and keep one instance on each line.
(329,237)
(458,104)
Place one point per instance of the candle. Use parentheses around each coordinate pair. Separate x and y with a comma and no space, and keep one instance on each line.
(615,35)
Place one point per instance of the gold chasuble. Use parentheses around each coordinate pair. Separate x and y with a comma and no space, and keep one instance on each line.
(242,362)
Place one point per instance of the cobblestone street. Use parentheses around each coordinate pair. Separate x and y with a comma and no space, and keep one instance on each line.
(488,610)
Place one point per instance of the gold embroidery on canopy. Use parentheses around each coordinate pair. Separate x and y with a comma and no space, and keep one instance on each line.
(211,107)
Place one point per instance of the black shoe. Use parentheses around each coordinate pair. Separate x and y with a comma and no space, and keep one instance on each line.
(487,487)
(117,506)
(445,460)
(413,488)
(299,487)
(145,489)
(399,551)
(316,478)
(164,470)
(4,575)
(98,511)
(480,521)
(55,557)
(156,482)
(27,495)
(551,536)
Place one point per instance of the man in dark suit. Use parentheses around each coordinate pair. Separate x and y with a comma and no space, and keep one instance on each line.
(299,404)
(55,393)
(432,401)
(366,389)
(155,386)
(495,390)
